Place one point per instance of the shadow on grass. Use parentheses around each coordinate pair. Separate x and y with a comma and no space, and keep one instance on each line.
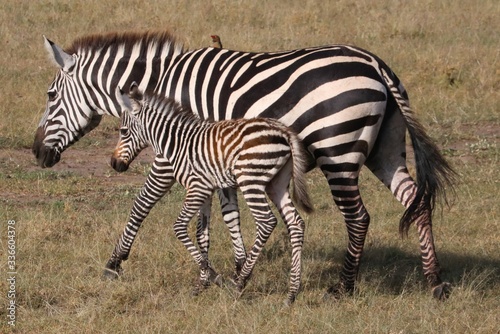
(391,270)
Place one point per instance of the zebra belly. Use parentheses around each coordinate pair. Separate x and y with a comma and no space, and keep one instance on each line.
(203,176)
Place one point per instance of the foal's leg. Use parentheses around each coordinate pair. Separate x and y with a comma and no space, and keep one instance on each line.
(278,192)
(158,183)
(231,215)
(203,241)
(255,196)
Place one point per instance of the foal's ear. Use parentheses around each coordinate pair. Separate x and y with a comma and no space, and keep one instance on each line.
(135,93)
(123,100)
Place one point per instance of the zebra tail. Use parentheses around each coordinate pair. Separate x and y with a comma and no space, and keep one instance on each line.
(434,173)
(299,163)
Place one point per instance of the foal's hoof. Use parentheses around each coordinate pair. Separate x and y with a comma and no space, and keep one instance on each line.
(289,301)
(200,287)
(215,278)
(110,274)
(233,286)
(112,269)
(337,292)
(441,291)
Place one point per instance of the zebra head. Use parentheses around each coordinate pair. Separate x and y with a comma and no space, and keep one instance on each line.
(70,112)
(132,140)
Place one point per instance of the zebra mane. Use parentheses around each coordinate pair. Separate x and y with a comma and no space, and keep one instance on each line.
(147,39)
(170,108)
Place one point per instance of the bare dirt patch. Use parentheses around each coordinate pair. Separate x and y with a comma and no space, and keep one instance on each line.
(88,161)
(92,162)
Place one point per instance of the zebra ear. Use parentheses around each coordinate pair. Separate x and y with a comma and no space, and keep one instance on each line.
(123,100)
(135,92)
(58,56)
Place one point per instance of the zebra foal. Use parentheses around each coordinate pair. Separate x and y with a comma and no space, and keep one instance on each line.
(260,156)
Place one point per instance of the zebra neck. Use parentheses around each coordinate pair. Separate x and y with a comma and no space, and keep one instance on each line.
(146,72)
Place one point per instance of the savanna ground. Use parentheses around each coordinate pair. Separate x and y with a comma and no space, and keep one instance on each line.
(68,218)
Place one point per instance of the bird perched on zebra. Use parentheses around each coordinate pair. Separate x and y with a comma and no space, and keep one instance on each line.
(216,42)
(259,155)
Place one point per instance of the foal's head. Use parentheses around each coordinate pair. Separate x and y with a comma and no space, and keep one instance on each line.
(131,141)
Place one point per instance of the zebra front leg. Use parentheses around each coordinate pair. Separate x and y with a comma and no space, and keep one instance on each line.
(231,215)
(159,181)
(203,241)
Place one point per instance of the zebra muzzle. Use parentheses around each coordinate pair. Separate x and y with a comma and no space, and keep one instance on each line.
(119,165)
(46,156)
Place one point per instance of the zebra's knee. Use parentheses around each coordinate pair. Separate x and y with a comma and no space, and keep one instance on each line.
(180,234)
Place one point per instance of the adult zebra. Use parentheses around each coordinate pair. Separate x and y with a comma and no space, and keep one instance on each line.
(345,103)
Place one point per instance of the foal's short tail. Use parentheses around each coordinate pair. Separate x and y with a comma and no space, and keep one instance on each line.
(299,160)
(300,165)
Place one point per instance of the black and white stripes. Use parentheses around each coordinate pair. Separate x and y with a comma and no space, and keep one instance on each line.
(345,103)
(260,156)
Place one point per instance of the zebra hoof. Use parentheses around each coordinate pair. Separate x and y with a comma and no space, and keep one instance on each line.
(288,302)
(112,270)
(337,292)
(215,278)
(199,288)
(233,286)
(110,274)
(442,291)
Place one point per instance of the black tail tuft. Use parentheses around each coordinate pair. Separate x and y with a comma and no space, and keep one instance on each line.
(434,175)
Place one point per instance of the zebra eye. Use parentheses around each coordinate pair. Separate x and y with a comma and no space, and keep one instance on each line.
(123,131)
(52,94)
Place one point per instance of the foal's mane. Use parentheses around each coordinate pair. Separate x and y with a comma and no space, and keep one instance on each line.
(128,39)
(171,108)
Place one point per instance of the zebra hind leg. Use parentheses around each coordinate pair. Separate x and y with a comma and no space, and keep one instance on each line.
(388,163)
(404,188)
(348,199)
(230,214)
(265,220)
(203,241)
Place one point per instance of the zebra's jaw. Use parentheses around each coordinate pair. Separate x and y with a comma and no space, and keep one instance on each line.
(46,157)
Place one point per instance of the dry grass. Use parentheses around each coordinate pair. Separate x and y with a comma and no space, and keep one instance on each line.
(446,53)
